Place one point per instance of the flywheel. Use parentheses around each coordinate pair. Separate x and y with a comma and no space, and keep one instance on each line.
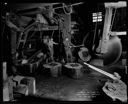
(113,54)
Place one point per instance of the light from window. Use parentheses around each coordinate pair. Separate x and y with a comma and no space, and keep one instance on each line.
(97,17)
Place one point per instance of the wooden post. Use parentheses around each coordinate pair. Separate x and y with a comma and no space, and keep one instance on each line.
(67,37)
(107,23)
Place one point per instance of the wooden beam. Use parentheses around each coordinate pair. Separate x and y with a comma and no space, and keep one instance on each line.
(119,4)
(118,33)
(27,6)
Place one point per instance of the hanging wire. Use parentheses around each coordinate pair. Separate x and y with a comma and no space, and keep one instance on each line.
(95,27)
(53,33)
(95,30)
(113,20)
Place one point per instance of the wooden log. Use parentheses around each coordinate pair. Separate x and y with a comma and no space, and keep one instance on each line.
(55,68)
(74,70)
(84,54)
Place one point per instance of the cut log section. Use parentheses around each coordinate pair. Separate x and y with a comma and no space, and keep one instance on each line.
(74,70)
(84,54)
(55,68)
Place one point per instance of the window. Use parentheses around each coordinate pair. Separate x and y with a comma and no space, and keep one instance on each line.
(97,17)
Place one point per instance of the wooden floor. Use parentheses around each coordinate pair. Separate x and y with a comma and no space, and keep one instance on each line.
(63,88)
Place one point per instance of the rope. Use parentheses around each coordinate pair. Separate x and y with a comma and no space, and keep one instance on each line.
(65,10)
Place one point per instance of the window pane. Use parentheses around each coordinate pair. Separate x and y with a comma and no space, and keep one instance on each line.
(99,19)
(94,20)
(99,13)
(99,16)
(94,17)
(94,14)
